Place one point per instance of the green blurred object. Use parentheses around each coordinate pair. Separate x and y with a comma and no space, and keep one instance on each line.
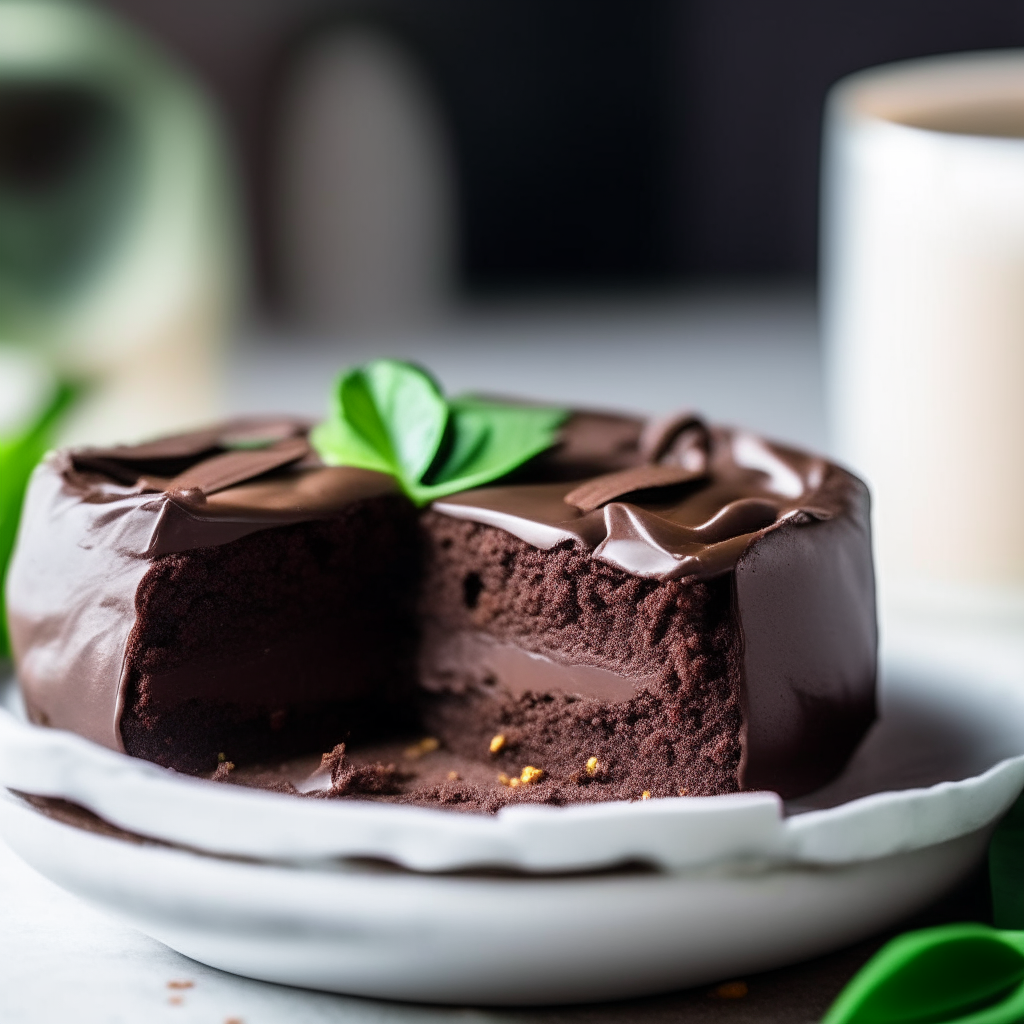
(957,973)
(962,973)
(20,451)
(65,161)
(119,241)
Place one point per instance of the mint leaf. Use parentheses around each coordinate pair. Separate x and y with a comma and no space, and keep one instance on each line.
(388,416)
(339,445)
(391,417)
(399,410)
(19,454)
(470,436)
(496,438)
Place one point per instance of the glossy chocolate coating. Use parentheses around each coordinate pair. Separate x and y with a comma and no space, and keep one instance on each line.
(731,488)
(94,521)
(666,500)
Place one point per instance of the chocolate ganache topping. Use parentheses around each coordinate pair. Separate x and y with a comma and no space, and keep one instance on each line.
(678,498)
(213,486)
(667,498)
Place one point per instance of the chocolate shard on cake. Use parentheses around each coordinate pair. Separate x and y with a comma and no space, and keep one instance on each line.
(650,609)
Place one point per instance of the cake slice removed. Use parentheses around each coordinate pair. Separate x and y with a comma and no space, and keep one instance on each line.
(709,636)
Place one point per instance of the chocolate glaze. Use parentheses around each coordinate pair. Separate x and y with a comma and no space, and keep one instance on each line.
(743,488)
(804,601)
(92,525)
(666,500)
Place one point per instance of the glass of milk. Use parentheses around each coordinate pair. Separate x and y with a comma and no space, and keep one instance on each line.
(923,299)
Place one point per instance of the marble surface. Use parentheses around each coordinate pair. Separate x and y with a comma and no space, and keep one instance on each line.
(749,357)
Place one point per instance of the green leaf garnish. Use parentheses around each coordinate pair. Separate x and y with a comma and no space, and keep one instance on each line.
(391,416)
(953,974)
(19,453)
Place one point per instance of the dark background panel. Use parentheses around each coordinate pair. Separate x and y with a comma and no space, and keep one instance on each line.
(752,78)
(601,142)
(558,115)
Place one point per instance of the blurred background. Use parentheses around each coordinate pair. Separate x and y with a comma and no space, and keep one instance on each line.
(581,144)
(508,191)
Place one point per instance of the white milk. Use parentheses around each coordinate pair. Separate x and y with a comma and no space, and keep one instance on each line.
(923,287)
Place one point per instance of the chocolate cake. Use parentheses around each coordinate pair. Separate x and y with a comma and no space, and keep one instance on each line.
(643,609)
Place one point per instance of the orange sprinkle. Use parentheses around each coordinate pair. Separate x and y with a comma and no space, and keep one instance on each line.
(530,774)
(592,765)
(181,984)
(645,795)
(731,990)
(497,743)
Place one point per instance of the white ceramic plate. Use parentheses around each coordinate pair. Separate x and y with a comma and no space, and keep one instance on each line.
(742,883)
(480,939)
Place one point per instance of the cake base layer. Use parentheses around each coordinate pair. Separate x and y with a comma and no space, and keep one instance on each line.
(405,772)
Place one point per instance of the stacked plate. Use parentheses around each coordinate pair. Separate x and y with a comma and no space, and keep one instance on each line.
(536,904)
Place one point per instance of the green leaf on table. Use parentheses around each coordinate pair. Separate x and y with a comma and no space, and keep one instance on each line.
(391,416)
(19,453)
(953,974)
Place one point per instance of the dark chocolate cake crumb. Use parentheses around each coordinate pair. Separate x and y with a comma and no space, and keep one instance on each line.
(267,617)
(358,780)
(680,730)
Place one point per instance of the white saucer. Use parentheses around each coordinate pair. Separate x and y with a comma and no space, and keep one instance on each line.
(738,887)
